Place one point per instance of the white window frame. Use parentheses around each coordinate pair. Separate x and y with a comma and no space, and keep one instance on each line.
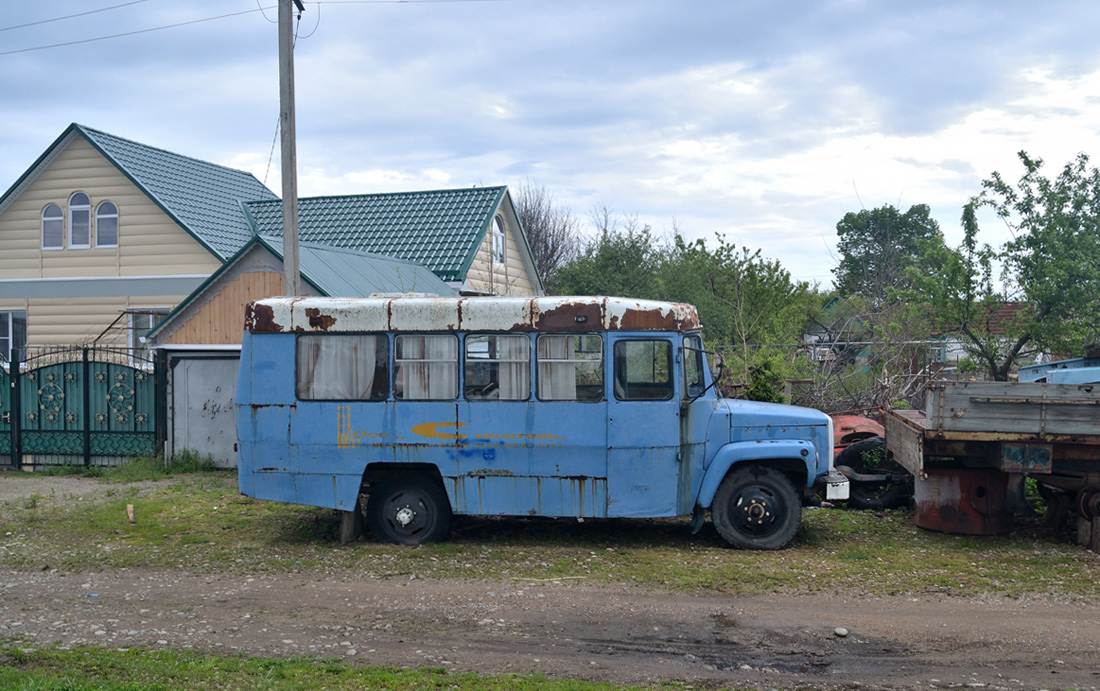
(499,240)
(7,342)
(135,333)
(59,218)
(80,207)
(100,215)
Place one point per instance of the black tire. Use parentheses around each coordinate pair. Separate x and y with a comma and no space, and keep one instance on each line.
(757,507)
(869,456)
(408,510)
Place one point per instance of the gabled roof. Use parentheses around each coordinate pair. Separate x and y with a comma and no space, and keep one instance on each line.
(338,272)
(331,272)
(441,229)
(204,198)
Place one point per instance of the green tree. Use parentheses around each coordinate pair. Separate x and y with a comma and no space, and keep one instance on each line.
(620,261)
(876,247)
(743,298)
(1041,289)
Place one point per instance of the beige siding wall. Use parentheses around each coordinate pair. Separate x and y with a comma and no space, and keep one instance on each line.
(220,320)
(150,243)
(508,279)
(75,321)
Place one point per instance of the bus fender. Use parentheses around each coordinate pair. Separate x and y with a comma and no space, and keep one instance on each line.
(747,451)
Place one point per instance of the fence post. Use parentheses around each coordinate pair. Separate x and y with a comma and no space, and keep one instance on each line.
(85,370)
(15,398)
(160,394)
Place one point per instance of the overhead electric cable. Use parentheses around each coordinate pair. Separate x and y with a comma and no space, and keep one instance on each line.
(130,33)
(209,19)
(71,16)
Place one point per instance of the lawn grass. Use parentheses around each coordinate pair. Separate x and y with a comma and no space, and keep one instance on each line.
(198,521)
(93,669)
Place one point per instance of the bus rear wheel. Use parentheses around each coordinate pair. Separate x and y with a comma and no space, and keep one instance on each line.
(757,507)
(408,510)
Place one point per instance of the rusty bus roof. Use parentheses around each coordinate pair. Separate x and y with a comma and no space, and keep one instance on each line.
(430,313)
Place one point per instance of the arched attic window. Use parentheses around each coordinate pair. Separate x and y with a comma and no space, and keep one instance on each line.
(106,224)
(498,240)
(53,227)
(80,221)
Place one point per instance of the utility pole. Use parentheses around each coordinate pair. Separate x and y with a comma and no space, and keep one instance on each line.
(291,274)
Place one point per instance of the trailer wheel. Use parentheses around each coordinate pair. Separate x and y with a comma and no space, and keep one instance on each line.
(868,456)
(757,507)
(408,510)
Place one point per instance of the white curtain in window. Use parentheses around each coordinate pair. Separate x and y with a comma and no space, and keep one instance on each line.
(557,369)
(337,367)
(515,367)
(428,368)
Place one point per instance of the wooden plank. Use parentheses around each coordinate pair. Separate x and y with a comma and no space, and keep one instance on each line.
(905,440)
(1014,408)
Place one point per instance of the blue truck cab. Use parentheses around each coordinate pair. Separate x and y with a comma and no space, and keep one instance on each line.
(551,406)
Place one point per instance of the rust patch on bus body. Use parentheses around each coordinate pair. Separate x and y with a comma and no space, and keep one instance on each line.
(260,319)
(680,317)
(319,321)
(570,316)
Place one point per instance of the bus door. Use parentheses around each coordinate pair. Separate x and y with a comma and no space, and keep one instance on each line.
(643,427)
(533,408)
(697,403)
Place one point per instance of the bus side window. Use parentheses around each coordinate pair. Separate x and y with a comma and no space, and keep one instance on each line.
(343,367)
(570,367)
(498,367)
(693,366)
(643,370)
(426,367)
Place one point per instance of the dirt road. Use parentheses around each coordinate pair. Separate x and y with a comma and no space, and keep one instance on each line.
(561,628)
(572,629)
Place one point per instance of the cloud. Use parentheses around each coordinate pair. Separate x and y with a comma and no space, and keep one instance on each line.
(765,122)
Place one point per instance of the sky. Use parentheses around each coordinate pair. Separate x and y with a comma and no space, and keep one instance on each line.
(760,122)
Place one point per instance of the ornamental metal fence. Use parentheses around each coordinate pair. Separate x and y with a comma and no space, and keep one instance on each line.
(83,405)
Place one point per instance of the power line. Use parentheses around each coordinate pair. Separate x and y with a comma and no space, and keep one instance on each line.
(71,16)
(130,33)
(206,19)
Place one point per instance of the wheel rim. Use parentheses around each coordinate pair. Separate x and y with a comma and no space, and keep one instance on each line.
(408,513)
(757,511)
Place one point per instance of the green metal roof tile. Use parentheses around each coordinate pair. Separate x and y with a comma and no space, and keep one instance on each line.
(440,229)
(203,197)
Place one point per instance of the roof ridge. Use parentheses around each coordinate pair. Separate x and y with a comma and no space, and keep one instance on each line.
(85,129)
(407,193)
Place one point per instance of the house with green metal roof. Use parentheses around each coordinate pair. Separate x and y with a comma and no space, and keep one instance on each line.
(104,238)
(213,313)
(468,237)
(101,230)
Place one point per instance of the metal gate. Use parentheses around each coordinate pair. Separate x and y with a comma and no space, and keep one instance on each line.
(5,414)
(82,405)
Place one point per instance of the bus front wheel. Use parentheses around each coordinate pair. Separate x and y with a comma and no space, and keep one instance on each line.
(757,507)
(408,510)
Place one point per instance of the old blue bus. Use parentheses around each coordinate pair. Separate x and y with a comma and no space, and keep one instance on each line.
(549,406)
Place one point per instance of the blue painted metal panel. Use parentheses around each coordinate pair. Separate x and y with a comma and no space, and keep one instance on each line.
(741,452)
(643,439)
(544,447)
(549,458)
